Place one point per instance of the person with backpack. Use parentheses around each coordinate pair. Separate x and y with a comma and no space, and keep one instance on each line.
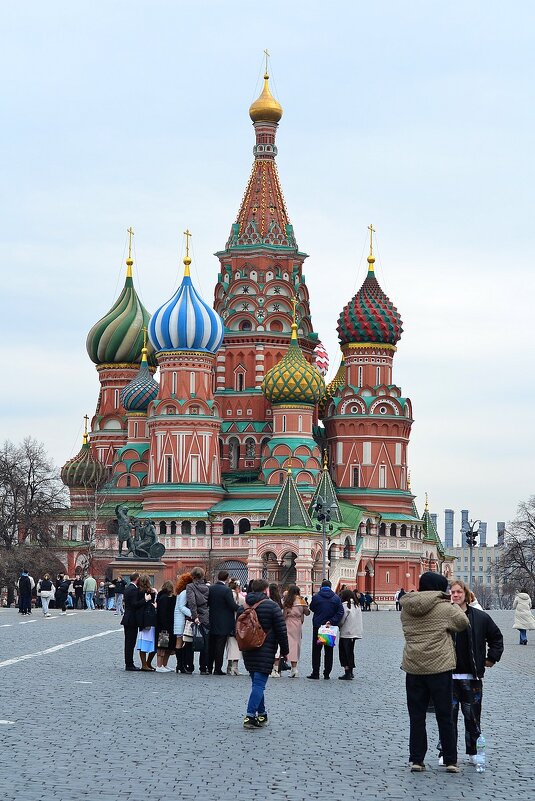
(260,630)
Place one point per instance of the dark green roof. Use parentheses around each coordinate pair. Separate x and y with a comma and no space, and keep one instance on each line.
(289,509)
(325,490)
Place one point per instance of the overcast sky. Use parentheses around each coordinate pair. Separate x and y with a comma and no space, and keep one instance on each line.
(415,116)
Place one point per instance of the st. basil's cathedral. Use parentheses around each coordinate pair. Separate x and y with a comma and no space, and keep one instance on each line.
(214,422)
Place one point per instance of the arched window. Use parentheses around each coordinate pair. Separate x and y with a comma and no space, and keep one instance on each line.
(163,529)
(368,526)
(281,478)
(173,528)
(403,531)
(228,527)
(283,423)
(249,448)
(186,528)
(200,528)
(244,525)
(393,530)
(240,382)
(245,325)
(347,548)
(382,529)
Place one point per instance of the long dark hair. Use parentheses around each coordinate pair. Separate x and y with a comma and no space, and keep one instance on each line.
(274,593)
(291,594)
(348,595)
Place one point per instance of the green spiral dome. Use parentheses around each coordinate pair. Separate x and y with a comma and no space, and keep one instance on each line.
(84,470)
(118,337)
(293,379)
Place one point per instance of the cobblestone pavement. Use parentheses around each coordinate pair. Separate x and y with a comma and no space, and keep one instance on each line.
(76,726)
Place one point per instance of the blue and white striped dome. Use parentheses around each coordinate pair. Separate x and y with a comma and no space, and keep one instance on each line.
(186,322)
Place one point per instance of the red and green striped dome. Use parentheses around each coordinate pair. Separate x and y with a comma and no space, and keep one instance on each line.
(370,316)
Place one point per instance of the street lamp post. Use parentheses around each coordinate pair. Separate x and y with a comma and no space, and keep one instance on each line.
(471,535)
(323,516)
(378,524)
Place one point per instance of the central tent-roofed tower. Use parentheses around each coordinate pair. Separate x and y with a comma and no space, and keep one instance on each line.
(260,275)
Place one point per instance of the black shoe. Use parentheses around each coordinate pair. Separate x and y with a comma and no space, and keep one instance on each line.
(345,677)
(132,668)
(263,719)
(205,672)
(250,722)
(326,676)
(219,673)
(313,676)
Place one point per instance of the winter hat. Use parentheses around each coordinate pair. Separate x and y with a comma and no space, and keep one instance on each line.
(432,581)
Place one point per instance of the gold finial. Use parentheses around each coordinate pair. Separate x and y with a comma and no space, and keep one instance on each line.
(144,351)
(426,503)
(289,471)
(409,480)
(187,260)
(86,421)
(129,261)
(294,301)
(371,257)
(325,459)
(266,53)
(265,108)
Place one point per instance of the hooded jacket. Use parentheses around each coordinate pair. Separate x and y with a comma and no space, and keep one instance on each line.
(260,660)
(326,606)
(197,600)
(429,619)
(523,617)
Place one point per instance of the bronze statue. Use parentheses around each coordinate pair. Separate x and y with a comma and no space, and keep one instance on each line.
(140,537)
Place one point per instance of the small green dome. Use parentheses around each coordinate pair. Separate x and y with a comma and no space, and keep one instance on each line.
(118,337)
(293,379)
(84,470)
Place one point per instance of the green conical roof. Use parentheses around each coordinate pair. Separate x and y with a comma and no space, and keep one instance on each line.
(289,510)
(326,492)
(431,532)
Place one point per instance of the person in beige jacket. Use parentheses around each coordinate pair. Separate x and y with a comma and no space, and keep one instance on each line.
(429,621)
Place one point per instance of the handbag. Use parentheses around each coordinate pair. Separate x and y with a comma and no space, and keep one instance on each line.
(284,664)
(163,639)
(327,635)
(198,637)
(187,636)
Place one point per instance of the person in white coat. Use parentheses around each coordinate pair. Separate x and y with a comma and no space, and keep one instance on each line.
(524,620)
(181,614)
(350,632)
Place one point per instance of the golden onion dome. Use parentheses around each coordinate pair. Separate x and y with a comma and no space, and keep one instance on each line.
(293,379)
(265,108)
(338,381)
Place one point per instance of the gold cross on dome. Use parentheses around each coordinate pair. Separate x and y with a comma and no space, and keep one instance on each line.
(187,234)
(130,233)
(294,301)
(371,229)
(86,419)
(144,329)
(266,53)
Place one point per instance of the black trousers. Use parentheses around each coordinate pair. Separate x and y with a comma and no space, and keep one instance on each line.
(130,637)
(468,694)
(25,603)
(346,652)
(420,690)
(316,655)
(216,651)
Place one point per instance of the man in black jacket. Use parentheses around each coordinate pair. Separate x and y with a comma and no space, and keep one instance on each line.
(478,647)
(259,661)
(134,599)
(222,610)
(327,608)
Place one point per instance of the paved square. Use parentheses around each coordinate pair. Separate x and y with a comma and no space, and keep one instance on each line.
(74,725)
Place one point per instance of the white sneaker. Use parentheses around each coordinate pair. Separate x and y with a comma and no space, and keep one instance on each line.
(168,669)
(275,674)
(63,613)
(161,670)
(441,760)
(294,673)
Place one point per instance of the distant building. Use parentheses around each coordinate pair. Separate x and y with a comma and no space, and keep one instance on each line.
(465,525)
(449,515)
(482,533)
(484,558)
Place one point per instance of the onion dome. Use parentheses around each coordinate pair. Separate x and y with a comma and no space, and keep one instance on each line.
(370,316)
(141,390)
(186,322)
(321,358)
(84,470)
(338,381)
(265,108)
(117,338)
(293,379)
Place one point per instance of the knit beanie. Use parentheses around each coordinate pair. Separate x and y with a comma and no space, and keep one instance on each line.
(432,581)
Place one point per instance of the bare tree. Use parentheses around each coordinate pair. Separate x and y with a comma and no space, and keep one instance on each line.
(31,494)
(484,594)
(516,566)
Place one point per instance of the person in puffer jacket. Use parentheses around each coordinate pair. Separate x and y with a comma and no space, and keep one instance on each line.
(429,621)
(259,661)
(327,608)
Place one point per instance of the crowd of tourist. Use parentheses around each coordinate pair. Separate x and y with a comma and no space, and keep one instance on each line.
(64,593)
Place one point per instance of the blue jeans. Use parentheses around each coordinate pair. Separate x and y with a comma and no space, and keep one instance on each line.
(89,600)
(256,699)
(111,603)
(523,635)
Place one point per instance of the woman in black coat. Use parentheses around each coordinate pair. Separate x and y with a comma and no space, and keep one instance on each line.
(165,610)
(62,590)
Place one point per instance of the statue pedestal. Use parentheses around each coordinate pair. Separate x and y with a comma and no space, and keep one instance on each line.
(154,568)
